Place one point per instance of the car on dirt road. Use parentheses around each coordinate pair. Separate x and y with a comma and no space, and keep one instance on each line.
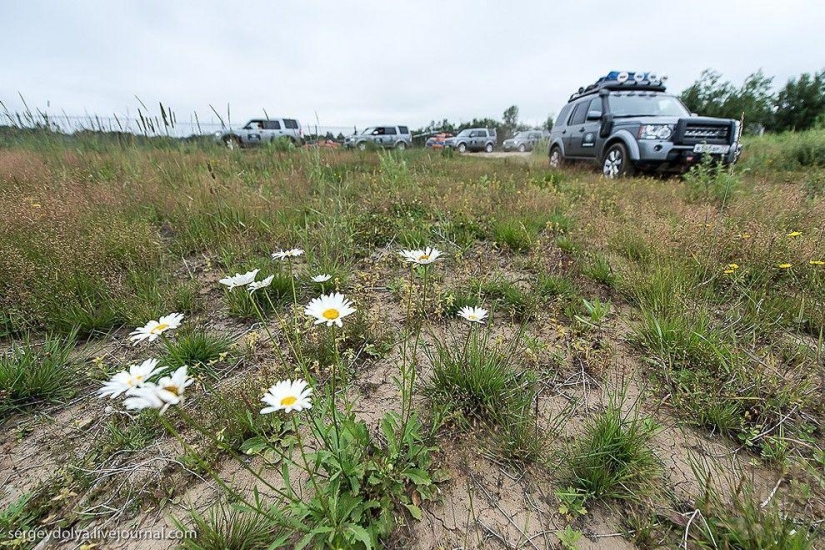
(388,137)
(627,123)
(524,141)
(259,131)
(473,139)
(437,141)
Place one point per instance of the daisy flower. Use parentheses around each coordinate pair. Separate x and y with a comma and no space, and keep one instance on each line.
(287,396)
(153,328)
(239,280)
(421,257)
(283,254)
(135,377)
(168,391)
(473,314)
(321,278)
(329,308)
(257,285)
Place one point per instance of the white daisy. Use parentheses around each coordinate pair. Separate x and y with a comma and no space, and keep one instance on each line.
(329,308)
(321,278)
(473,314)
(239,280)
(153,328)
(257,285)
(168,391)
(283,254)
(287,396)
(135,377)
(421,257)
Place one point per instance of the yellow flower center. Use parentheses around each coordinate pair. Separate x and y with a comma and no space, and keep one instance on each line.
(424,257)
(160,328)
(172,388)
(331,314)
(288,400)
(472,317)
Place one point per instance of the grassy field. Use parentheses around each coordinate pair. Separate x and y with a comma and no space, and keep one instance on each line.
(649,373)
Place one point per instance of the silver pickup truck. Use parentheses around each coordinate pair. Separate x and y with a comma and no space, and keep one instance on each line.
(262,130)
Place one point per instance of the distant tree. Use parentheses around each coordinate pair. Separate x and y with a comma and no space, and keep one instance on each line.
(510,124)
(340,137)
(800,104)
(329,136)
(548,124)
(711,96)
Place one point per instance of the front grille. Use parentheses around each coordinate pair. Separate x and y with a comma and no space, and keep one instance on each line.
(706,133)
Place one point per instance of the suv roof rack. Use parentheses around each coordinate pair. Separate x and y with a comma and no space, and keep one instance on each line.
(623,80)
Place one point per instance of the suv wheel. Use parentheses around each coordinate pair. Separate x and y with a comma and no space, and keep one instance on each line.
(556,158)
(616,162)
(401,145)
(489,147)
(462,147)
(362,146)
(522,148)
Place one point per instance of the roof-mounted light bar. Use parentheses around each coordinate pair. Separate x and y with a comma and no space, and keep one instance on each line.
(617,80)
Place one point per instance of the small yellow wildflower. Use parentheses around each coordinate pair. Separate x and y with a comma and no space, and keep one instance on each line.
(784,266)
(793,234)
(744,235)
(817,262)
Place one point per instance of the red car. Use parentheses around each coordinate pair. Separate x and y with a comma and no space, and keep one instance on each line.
(437,141)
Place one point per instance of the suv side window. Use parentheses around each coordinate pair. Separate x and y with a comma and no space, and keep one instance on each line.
(404,129)
(272,125)
(595,105)
(481,133)
(291,123)
(390,131)
(579,114)
(563,115)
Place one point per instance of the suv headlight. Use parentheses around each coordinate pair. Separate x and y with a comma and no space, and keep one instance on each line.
(655,131)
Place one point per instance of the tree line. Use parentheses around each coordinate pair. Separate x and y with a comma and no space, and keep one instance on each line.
(798,105)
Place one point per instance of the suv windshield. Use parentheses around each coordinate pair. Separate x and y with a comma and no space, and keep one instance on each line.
(464,133)
(632,105)
(369,130)
(522,135)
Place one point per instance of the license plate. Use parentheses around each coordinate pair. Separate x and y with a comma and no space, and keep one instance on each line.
(712,149)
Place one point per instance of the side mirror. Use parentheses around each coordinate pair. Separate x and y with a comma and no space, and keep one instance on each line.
(594,115)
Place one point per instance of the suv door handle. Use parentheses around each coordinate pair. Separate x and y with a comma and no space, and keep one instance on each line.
(581,129)
(564,131)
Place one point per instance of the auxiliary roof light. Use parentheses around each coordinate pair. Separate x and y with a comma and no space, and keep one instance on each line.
(622,77)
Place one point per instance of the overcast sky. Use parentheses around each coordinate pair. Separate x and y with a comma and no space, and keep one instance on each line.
(369,62)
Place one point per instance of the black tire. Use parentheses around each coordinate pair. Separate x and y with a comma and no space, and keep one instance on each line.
(616,162)
(556,157)
(522,148)
(462,147)
(489,147)
(401,145)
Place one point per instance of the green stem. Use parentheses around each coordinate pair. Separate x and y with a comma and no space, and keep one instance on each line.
(334,391)
(311,472)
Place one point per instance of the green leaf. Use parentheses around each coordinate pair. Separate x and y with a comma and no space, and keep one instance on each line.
(414,510)
(419,477)
(254,445)
(361,534)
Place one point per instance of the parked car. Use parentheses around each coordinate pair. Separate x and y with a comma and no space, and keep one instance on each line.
(524,141)
(626,122)
(437,141)
(388,137)
(473,139)
(262,130)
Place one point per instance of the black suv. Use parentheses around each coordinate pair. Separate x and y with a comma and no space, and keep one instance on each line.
(626,122)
